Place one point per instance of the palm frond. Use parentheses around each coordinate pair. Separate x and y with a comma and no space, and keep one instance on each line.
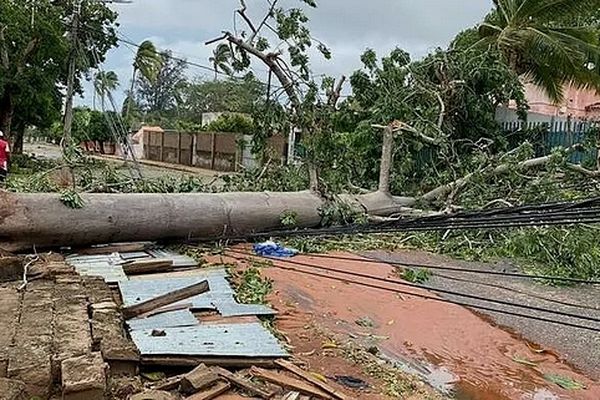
(548,10)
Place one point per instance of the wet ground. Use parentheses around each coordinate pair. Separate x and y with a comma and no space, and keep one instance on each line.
(451,346)
(579,347)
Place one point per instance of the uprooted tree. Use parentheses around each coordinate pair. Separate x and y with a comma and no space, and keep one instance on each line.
(444,103)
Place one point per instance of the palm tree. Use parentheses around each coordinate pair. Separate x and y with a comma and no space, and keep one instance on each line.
(105,83)
(545,42)
(220,59)
(148,62)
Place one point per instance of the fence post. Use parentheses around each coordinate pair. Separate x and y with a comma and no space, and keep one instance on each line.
(162,146)
(194,149)
(178,147)
(213,150)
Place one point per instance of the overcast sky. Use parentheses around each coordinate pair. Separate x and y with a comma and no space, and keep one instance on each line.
(348,27)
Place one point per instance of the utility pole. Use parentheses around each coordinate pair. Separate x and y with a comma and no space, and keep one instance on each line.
(68,121)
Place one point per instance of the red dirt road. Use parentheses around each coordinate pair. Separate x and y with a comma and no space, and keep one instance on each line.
(478,354)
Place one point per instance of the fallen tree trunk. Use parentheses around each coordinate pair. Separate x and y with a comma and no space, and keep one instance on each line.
(42,220)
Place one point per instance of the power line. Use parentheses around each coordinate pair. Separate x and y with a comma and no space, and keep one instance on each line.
(434,298)
(429,288)
(455,269)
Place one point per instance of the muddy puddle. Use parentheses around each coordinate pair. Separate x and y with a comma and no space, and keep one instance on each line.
(453,348)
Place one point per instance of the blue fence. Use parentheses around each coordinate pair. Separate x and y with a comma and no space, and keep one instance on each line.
(547,136)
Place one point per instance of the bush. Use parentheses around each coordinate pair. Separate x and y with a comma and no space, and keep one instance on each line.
(232,123)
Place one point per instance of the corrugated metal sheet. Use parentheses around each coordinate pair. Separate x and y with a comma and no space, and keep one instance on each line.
(172,319)
(234,340)
(179,260)
(219,298)
(106,266)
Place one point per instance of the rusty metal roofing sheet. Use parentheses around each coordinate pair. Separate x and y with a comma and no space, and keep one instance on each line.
(171,319)
(231,340)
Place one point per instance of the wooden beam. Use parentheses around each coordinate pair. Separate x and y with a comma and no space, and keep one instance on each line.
(242,383)
(226,362)
(165,300)
(310,378)
(288,383)
(139,267)
(114,248)
(215,391)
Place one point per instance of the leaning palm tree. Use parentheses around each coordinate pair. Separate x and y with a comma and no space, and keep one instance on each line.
(148,62)
(105,83)
(220,59)
(547,42)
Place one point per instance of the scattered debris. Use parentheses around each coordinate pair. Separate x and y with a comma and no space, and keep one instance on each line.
(139,267)
(198,379)
(564,382)
(272,249)
(165,300)
(288,383)
(365,322)
(310,378)
(351,382)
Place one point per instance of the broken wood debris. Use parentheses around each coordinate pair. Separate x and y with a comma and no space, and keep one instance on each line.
(288,383)
(198,379)
(216,390)
(207,382)
(165,300)
(140,267)
(310,378)
(244,384)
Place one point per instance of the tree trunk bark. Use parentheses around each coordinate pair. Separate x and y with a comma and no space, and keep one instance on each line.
(17,147)
(41,220)
(7,109)
(387,156)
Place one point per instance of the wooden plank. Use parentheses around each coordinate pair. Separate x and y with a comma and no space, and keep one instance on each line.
(243,383)
(288,383)
(165,300)
(140,267)
(310,378)
(291,396)
(171,383)
(198,379)
(226,362)
(215,391)
(114,248)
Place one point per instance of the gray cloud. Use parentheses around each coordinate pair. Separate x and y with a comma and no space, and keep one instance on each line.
(346,26)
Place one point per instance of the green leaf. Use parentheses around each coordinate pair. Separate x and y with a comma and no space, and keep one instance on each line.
(525,361)
(564,382)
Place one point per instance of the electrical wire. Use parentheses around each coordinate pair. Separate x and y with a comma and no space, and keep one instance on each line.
(429,288)
(456,269)
(434,298)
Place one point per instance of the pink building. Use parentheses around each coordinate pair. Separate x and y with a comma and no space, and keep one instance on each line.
(578,104)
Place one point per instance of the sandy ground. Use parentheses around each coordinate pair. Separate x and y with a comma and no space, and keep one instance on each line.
(449,345)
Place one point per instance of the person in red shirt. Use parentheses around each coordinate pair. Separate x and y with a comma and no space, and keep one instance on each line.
(4,157)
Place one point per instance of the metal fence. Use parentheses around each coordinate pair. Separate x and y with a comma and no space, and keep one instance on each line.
(546,136)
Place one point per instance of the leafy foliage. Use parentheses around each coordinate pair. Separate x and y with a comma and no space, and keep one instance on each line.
(252,287)
(34,57)
(71,199)
(233,123)
(546,41)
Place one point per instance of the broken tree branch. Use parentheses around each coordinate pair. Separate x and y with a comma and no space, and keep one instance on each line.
(334,96)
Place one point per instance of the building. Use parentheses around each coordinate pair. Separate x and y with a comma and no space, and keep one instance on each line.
(578,105)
